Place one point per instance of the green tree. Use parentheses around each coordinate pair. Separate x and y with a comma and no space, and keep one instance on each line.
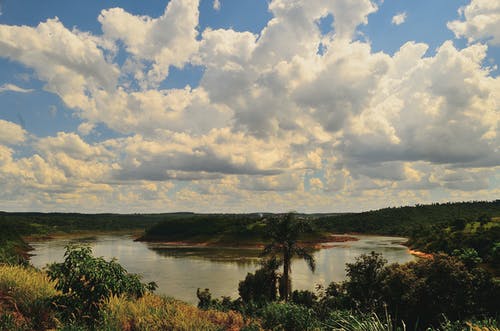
(260,286)
(86,281)
(284,232)
(364,280)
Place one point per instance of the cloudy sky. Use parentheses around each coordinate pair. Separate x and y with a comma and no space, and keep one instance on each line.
(247,105)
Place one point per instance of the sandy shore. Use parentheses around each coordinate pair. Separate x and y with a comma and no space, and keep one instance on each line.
(420,254)
(323,242)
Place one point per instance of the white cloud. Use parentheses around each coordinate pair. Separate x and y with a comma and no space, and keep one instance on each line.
(72,145)
(273,125)
(14,88)
(11,133)
(480,21)
(216,5)
(164,41)
(71,63)
(399,18)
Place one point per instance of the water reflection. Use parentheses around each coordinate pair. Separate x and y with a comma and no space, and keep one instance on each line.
(239,256)
(179,271)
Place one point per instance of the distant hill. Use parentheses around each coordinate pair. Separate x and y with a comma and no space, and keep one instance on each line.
(182,225)
(47,223)
(403,220)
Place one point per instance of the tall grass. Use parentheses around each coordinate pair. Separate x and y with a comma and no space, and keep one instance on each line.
(375,323)
(152,312)
(25,296)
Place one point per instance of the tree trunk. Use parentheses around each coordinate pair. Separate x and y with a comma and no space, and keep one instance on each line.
(286,271)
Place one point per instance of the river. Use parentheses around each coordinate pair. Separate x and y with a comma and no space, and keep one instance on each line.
(179,271)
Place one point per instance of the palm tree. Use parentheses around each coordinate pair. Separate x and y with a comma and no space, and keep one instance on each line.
(284,231)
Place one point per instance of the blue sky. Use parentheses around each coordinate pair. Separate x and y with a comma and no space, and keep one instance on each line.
(154,106)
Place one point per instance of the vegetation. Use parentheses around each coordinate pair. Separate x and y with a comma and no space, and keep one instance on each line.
(260,287)
(86,281)
(152,312)
(429,294)
(449,292)
(27,224)
(88,293)
(473,240)
(25,296)
(403,221)
(284,231)
(418,293)
(423,294)
(12,247)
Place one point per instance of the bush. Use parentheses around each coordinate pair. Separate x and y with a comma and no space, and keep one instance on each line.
(304,298)
(419,293)
(86,281)
(260,286)
(288,317)
(363,285)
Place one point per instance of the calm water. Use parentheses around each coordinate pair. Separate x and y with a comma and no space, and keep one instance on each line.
(179,271)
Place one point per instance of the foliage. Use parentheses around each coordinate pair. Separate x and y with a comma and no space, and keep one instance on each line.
(49,223)
(371,322)
(304,298)
(419,293)
(477,242)
(403,221)
(231,229)
(469,257)
(364,281)
(288,317)
(12,246)
(284,232)
(25,296)
(86,281)
(261,285)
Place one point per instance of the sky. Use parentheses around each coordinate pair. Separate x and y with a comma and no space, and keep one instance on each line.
(249,105)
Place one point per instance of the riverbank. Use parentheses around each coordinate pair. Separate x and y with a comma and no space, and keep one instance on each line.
(134,233)
(325,241)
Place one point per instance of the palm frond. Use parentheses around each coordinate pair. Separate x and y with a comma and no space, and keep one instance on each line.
(303,254)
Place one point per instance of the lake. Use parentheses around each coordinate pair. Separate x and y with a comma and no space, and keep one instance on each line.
(179,271)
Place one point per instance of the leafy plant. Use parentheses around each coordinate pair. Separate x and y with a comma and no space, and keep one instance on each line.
(86,281)
(288,317)
(261,285)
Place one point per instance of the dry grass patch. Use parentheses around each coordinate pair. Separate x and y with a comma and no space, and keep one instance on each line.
(152,312)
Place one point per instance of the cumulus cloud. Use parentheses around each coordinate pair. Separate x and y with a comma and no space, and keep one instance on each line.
(71,63)
(399,18)
(480,20)
(164,41)
(272,124)
(11,133)
(70,144)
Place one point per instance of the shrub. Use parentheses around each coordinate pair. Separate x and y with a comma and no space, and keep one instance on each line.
(288,317)
(260,286)
(419,293)
(86,281)
(304,298)
(364,281)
